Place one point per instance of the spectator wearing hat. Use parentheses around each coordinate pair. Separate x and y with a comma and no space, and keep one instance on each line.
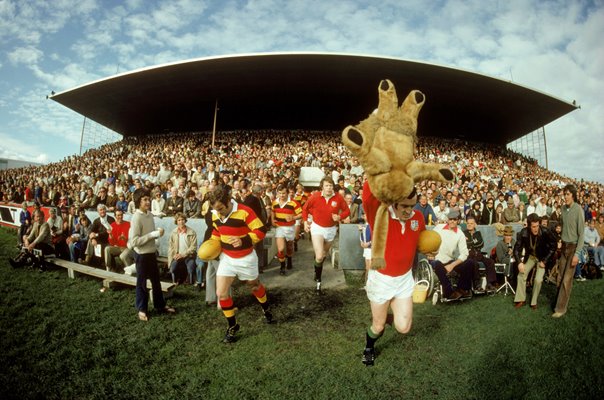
(453,241)
(504,252)
(510,214)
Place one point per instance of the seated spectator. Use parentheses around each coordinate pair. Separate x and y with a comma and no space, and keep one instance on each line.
(78,240)
(488,215)
(174,204)
(475,212)
(89,202)
(475,243)
(453,241)
(39,238)
(99,234)
(353,218)
(25,222)
(510,214)
(192,206)
(441,211)
(158,203)
(538,246)
(182,251)
(499,214)
(426,210)
(121,203)
(118,243)
(57,237)
(592,240)
(504,252)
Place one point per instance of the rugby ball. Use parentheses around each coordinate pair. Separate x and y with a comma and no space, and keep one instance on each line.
(428,242)
(209,250)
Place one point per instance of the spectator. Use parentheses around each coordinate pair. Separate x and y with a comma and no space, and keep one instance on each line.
(24,221)
(78,240)
(192,206)
(158,204)
(488,215)
(353,218)
(534,248)
(182,249)
(592,243)
(99,235)
(510,214)
(475,243)
(426,210)
(174,204)
(453,242)
(573,229)
(39,238)
(141,239)
(441,211)
(504,251)
(118,243)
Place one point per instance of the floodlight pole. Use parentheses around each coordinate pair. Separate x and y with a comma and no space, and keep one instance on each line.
(82,135)
(545,147)
(214,128)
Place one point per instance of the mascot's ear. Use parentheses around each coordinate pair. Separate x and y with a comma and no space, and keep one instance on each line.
(355,136)
(446,173)
(412,194)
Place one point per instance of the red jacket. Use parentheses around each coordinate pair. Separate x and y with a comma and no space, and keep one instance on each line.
(321,209)
(400,247)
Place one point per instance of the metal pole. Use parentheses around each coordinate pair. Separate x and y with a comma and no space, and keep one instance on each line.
(214,128)
(545,147)
(82,135)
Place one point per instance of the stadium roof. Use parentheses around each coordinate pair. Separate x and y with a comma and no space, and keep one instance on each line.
(308,91)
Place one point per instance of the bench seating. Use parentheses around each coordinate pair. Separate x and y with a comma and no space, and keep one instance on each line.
(108,277)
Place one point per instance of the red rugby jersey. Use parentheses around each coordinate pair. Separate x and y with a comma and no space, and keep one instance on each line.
(321,209)
(400,247)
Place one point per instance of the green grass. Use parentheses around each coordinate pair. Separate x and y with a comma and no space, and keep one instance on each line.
(63,339)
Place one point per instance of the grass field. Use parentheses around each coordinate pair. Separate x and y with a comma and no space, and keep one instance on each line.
(64,339)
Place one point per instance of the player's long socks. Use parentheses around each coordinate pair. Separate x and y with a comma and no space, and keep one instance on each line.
(318,270)
(371,337)
(228,309)
(260,295)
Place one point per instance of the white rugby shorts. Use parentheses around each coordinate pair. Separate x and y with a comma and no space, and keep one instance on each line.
(328,234)
(244,268)
(381,288)
(367,253)
(287,232)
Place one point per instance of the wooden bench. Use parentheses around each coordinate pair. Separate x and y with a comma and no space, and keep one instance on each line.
(109,277)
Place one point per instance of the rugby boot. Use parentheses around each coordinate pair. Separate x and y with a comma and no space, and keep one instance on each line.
(368,356)
(268,317)
(230,337)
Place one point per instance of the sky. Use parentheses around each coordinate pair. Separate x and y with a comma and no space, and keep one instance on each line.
(555,47)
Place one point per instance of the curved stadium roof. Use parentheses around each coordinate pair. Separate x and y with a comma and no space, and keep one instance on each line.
(308,91)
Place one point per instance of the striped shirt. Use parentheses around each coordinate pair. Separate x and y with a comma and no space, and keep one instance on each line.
(243,223)
(281,211)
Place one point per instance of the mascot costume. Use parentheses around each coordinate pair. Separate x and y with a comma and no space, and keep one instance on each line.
(384,144)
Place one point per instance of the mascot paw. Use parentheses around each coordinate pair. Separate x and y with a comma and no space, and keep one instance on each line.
(378,263)
(447,174)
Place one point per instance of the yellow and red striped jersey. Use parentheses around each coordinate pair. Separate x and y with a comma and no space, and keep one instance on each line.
(243,223)
(291,207)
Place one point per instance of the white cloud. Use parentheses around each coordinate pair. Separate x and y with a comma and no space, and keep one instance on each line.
(25,55)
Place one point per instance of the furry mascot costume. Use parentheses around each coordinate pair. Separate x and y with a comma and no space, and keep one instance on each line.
(384,144)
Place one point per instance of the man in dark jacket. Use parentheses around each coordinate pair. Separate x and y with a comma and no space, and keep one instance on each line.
(475,243)
(539,245)
(99,233)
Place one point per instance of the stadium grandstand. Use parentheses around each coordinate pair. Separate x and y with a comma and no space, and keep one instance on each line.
(259,118)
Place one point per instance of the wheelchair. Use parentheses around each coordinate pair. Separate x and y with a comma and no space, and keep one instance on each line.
(424,271)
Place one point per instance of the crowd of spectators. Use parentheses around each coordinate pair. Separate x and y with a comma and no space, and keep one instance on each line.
(492,183)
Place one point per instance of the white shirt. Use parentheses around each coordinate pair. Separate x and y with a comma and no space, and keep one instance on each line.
(453,243)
